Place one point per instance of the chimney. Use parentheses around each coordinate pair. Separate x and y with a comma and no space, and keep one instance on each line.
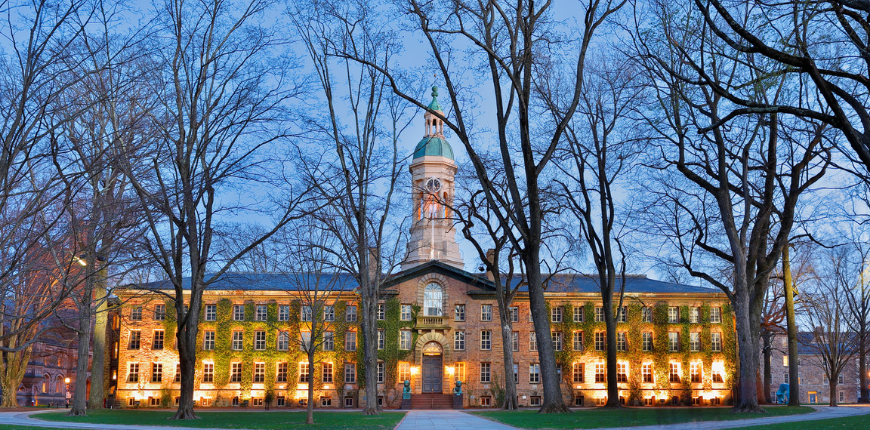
(374,259)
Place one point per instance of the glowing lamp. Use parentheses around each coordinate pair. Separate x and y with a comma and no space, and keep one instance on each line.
(450,370)
(415,370)
(66,380)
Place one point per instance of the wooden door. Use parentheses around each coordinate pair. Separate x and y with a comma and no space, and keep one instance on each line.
(432,374)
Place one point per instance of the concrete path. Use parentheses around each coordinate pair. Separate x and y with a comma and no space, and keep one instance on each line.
(24,419)
(447,420)
(823,412)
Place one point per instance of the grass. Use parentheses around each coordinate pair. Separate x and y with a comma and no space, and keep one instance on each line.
(854,422)
(234,419)
(627,417)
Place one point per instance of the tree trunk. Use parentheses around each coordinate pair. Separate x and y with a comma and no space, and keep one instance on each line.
(766,337)
(185,337)
(610,327)
(794,389)
(95,400)
(510,385)
(552,402)
(309,413)
(747,397)
(80,396)
(833,388)
(862,373)
(370,355)
(14,366)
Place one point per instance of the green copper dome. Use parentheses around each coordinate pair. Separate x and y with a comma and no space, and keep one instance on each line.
(433,145)
(434,104)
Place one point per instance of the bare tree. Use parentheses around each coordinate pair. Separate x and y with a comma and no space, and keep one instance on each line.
(826,311)
(358,164)
(598,158)
(510,41)
(727,195)
(223,89)
(785,38)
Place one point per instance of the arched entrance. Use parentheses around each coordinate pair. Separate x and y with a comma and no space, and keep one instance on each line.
(432,373)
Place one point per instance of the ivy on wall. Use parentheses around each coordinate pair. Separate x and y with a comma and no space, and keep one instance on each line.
(659,356)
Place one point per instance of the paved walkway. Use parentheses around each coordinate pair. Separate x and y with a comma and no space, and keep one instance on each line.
(823,412)
(447,420)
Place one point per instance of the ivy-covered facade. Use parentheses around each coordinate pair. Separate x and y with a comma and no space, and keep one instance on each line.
(437,324)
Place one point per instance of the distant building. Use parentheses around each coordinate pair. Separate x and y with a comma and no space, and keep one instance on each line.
(814,385)
(438,324)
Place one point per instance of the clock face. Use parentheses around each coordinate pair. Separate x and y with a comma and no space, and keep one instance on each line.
(433,185)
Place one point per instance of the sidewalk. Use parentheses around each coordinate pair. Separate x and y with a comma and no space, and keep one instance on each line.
(823,412)
(447,419)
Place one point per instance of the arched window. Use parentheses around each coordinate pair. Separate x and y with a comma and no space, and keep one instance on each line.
(59,385)
(46,383)
(432,300)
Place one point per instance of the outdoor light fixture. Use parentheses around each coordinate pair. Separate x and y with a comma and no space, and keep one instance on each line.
(415,370)
(450,369)
(66,380)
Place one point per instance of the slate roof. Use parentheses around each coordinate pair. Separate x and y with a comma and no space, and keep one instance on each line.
(266,282)
(561,283)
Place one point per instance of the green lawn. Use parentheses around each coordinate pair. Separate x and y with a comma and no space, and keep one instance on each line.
(626,417)
(247,420)
(856,422)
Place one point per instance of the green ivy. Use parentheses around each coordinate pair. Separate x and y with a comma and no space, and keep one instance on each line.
(660,356)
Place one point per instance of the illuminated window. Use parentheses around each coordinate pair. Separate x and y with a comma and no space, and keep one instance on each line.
(578,341)
(303,372)
(133,374)
(577,371)
(326,372)
(208,372)
(236,372)
(156,372)
(646,371)
(695,372)
(281,372)
(675,372)
(600,372)
(259,372)
(621,372)
(404,372)
(459,372)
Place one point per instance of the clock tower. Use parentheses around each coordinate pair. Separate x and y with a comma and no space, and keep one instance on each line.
(433,170)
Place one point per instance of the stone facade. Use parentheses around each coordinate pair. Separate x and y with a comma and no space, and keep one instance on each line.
(814,385)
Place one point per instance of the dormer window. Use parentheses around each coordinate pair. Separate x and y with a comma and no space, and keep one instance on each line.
(432,300)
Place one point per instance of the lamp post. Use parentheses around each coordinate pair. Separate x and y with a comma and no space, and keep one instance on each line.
(66,381)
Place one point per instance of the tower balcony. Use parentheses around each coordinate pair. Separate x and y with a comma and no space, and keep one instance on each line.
(431,322)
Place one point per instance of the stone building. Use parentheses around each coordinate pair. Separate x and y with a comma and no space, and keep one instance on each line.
(438,324)
(814,384)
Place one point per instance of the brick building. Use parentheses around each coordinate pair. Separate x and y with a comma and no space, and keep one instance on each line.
(814,385)
(438,324)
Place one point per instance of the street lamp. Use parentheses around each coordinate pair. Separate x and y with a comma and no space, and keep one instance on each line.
(66,380)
